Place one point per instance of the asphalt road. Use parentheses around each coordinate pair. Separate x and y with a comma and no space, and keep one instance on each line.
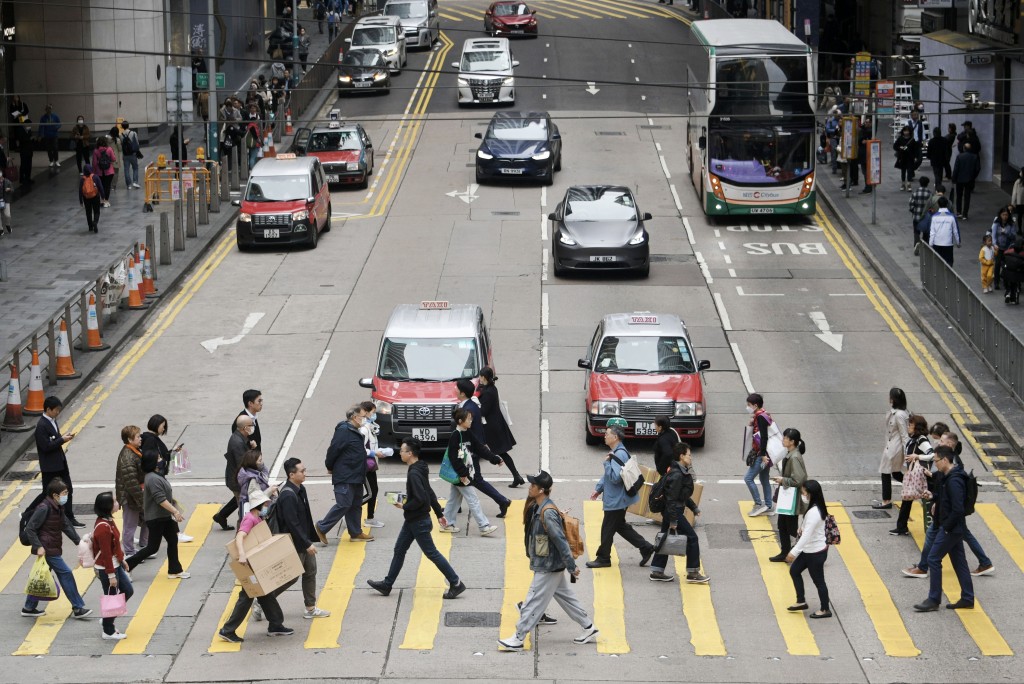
(786,309)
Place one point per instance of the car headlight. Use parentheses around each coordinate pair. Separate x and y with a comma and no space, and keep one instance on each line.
(509,81)
(344,79)
(380,76)
(300,215)
(484,155)
(244,217)
(689,408)
(352,166)
(604,408)
(541,156)
(565,239)
(383,407)
(391,52)
(638,239)
(463,83)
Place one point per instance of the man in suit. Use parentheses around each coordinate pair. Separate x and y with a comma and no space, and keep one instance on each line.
(466,389)
(252,400)
(239,442)
(53,462)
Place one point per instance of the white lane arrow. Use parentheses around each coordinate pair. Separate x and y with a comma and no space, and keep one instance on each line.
(467,196)
(592,88)
(250,322)
(830,338)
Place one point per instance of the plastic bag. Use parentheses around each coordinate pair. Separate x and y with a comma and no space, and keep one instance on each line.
(41,583)
(180,463)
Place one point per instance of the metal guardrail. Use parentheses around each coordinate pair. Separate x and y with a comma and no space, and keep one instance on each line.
(1001,350)
(318,74)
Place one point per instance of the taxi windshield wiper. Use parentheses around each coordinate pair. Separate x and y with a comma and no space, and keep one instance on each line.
(628,370)
(418,379)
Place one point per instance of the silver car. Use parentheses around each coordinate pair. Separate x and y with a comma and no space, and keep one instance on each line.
(420,20)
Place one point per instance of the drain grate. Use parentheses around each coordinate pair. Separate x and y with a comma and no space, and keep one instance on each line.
(1005,452)
(472,619)
(980,427)
(29,456)
(504,213)
(609,133)
(19,474)
(1009,465)
(871,515)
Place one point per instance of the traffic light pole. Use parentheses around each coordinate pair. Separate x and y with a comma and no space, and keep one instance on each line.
(212,132)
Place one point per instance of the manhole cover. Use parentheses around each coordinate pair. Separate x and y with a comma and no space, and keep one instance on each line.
(505,213)
(19,474)
(609,133)
(730,536)
(871,515)
(472,619)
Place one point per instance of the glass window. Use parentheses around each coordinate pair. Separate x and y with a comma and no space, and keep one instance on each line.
(600,204)
(373,35)
(765,86)
(485,60)
(334,141)
(519,129)
(406,10)
(434,359)
(759,156)
(278,188)
(509,9)
(366,58)
(644,355)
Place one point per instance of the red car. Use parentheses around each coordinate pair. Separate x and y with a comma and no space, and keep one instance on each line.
(506,18)
(344,149)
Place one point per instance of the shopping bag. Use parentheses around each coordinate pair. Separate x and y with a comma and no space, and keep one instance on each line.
(447,472)
(915,483)
(180,463)
(11,172)
(41,583)
(503,406)
(787,501)
(113,605)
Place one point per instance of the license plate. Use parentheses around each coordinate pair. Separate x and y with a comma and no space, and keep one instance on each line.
(332,178)
(425,434)
(363,84)
(762,210)
(271,233)
(486,98)
(602,258)
(513,172)
(644,430)
(517,31)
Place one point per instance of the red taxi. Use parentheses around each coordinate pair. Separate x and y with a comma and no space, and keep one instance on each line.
(641,366)
(286,201)
(423,351)
(344,149)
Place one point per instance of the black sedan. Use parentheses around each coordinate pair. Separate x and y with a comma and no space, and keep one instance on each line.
(599,228)
(519,145)
(365,71)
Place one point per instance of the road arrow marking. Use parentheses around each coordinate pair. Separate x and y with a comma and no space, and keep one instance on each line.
(467,196)
(250,322)
(830,338)
(591,88)
(741,293)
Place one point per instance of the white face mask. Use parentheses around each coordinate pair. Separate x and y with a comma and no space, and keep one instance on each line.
(806,499)
(750,409)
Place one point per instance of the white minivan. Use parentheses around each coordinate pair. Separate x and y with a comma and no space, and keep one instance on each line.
(485,72)
(420,19)
(383,33)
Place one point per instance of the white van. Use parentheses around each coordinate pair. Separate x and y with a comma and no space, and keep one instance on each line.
(420,19)
(383,33)
(485,72)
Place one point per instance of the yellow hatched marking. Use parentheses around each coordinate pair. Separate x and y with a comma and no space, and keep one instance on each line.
(546,11)
(478,16)
(1004,530)
(609,598)
(793,624)
(639,10)
(450,17)
(883,612)
(218,645)
(976,622)
(17,554)
(337,592)
(517,571)
(158,597)
(602,9)
(700,615)
(426,598)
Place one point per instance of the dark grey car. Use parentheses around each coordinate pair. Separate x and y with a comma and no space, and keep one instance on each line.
(599,228)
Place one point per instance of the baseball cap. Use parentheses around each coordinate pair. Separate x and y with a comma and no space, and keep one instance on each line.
(542,479)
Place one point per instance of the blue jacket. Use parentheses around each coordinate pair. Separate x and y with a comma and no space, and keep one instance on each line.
(952,498)
(49,125)
(346,456)
(611,486)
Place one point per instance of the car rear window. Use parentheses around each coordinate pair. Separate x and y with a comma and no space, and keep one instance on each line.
(373,35)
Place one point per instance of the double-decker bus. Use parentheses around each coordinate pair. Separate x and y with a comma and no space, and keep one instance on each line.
(750,125)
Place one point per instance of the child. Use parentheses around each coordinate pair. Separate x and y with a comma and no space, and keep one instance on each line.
(987,257)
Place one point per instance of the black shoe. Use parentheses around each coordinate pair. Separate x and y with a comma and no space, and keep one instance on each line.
(645,556)
(843,187)
(454,591)
(223,524)
(503,509)
(926,607)
(76,523)
(899,533)
(280,630)
(866,190)
(779,558)
(379,585)
(229,637)
(34,613)
(545,619)
(517,482)
(81,613)
(821,614)
(599,563)
(960,604)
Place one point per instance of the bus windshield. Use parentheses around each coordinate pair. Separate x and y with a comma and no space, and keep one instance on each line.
(761,86)
(748,155)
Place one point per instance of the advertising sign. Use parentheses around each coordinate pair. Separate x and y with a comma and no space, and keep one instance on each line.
(885,93)
(874,165)
(848,139)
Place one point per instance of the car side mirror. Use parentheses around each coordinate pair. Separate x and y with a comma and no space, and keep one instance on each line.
(488,12)
(348,40)
(703,365)
(367,383)
(455,65)
(515,62)
(533,11)
(552,217)
(702,142)
(236,203)
(478,136)
(583,363)
(556,136)
(647,216)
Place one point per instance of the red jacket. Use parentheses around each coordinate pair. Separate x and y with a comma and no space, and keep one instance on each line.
(106,545)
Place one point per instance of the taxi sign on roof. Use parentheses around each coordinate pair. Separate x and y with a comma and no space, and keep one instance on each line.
(286,155)
(334,114)
(643,319)
(334,124)
(431,305)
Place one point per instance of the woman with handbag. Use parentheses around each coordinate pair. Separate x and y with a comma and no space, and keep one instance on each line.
(811,550)
(496,429)
(461,446)
(110,567)
(374,453)
(677,490)
(917,455)
(794,474)
(896,436)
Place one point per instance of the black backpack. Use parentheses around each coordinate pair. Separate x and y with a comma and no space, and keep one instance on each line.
(972,493)
(104,161)
(656,502)
(25,515)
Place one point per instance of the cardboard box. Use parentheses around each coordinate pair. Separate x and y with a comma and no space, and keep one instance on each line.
(698,489)
(642,507)
(272,561)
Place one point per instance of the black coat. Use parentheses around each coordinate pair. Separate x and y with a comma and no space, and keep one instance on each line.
(966,167)
(49,446)
(152,444)
(255,436)
(498,434)
(908,153)
(952,496)
(664,453)
(939,150)
(346,456)
(295,517)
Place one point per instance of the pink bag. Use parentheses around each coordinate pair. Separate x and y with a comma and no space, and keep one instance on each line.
(915,483)
(371,464)
(113,605)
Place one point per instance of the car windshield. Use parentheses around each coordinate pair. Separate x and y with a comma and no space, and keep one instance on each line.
(518,129)
(761,86)
(445,358)
(644,355)
(406,10)
(485,60)
(364,58)
(278,188)
(760,156)
(511,10)
(599,204)
(373,35)
(333,141)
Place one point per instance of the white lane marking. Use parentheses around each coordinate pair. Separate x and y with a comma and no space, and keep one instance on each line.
(543,96)
(718,233)
(544,375)
(704,267)
(250,322)
(592,88)
(544,227)
(664,166)
(721,245)
(679,208)
(629,45)
(834,340)
(650,121)
(544,264)
(741,293)
(636,78)
(728,259)
(545,59)
(742,366)
(722,313)
(545,445)
(686,223)
(543,196)
(657,146)
(544,310)
(316,375)
(632,61)
(732,272)
(643,98)
(275,472)
(467,196)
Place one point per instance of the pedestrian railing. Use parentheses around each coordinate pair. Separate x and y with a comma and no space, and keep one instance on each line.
(318,74)
(1001,350)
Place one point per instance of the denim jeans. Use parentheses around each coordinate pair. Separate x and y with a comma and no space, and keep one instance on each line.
(759,471)
(131,169)
(124,586)
(929,537)
(455,497)
(348,505)
(254,156)
(419,531)
(951,545)
(683,526)
(66,580)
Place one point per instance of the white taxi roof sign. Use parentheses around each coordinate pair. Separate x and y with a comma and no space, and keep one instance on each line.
(287,155)
(334,114)
(643,319)
(433,305)
(334,124)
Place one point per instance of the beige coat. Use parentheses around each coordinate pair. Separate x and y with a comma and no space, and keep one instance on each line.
(897,433)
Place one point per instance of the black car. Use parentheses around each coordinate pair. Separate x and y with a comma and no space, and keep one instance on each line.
(519,145)
(363,70)
(599,228)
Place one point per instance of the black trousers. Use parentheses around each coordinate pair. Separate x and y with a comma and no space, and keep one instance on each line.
(92,212)
(371,505)
(271,609)
(963,197)
(227,509)
(83,155)
(887,484)
(160,528)
(614,522)
(510,464)
(946,252)
(51,149)
(64,475)
(999,266)
(814,563)
(788,526)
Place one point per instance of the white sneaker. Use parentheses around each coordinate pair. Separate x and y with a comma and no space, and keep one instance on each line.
(512,643)
(770,511)
(757,510)
(450,529)
(58,164)
(488,531)
(257,612)
(180,575)
(316,612)
(116,636)
(589,634)
(51,165)
(135,185)
(371,522)
(184,538)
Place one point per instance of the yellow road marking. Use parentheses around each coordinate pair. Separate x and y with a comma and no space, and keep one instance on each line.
(976,622)
(700,615)
(1004,531)
(337,592)
(426,598)
(517,571)
(478,16)
(9,490)
(450,17)
(596,7)
(158,596)
(218,645)
(883,612)
(609,599)
(793,624)
(544,7)
(548,13)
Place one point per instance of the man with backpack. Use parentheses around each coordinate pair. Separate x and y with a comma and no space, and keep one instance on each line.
(551,557)
(131,154)
(956,496)
(90,195)
(617,498)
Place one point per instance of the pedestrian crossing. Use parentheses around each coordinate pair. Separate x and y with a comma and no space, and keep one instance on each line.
(343,571)
(468,11)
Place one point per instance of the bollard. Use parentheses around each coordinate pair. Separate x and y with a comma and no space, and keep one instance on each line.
(190,213)
(3,271)
(225,183)
(215,189)
(83,306)
(179,227)
(151,242)
(165,239)
(204,206)
(51,353)
(234,176)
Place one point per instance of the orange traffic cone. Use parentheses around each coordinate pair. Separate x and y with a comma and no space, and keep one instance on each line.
(288,130)
(93,340)
(148,284)
(13,419)
(65,365)
(34,403)
(134,298)
(138,274)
